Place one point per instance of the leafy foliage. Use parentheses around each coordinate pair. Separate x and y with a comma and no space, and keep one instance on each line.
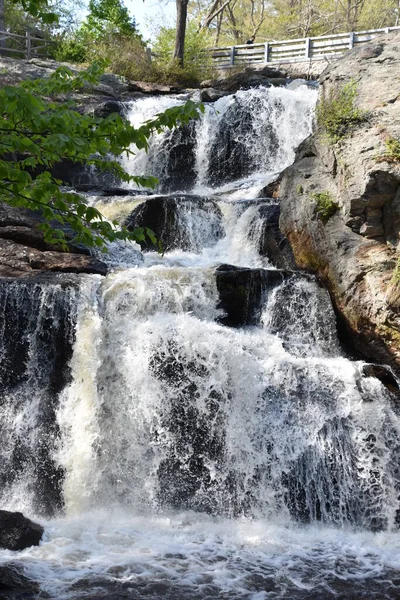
(392,153)
(337,113)
(326,206)
(106,28)
(39,9)
(40,128)
(106,15)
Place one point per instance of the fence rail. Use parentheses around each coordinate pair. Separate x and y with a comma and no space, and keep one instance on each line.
(26,45)
(302,49)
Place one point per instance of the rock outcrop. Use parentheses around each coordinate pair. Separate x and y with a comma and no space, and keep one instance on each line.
(23,251)
(354,248)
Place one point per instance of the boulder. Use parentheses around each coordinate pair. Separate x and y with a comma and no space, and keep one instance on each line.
(17,532)
(354,250)
(211,95)
(107,108)
(177,167)
(241,292)
(166,217)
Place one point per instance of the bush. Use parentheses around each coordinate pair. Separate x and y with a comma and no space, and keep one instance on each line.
(337,114)
(124,55)
(198,65)
(72,49)
(326,205)
(392,154)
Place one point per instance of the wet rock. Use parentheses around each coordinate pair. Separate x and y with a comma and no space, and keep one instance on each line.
(14,585)
(17,532)
(354,251)
(177,148)
(185,222)
(37,336)
(384,375)
(183,474)
(108,107)
(271,190)
(241,292)
(272,243)
(211,95)
(246,79)
(230,155)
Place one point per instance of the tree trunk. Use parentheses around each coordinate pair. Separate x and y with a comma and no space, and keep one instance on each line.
(2,24)
(181,14)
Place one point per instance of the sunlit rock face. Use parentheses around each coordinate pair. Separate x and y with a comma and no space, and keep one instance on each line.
(355,250)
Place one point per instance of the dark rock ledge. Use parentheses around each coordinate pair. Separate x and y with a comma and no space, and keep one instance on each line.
(23,252)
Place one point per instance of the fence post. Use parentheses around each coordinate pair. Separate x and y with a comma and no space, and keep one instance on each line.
(308,45)
(387,29)
(28,44)
(266,52)
(232,57)
(351,40)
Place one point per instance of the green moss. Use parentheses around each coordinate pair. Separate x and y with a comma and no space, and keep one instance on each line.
(300,189)
(326,205)
(337,114)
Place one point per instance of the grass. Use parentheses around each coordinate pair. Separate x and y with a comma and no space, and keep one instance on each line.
(326,205)
(392,153)
(396,273)
(338,113)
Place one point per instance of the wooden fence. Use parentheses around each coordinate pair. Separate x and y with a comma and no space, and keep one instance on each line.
(302,49)
(26,45)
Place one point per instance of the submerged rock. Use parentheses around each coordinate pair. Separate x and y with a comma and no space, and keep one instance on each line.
(14,585)
(355,249)
(17,532)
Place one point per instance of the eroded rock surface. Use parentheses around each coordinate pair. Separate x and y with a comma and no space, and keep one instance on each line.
(355,250)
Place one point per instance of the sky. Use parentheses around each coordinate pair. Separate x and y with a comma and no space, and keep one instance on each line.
(151,13)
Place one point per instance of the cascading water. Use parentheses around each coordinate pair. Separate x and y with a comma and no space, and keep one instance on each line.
(211,440)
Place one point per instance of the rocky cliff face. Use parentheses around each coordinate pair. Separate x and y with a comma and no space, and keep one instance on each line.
(355,250)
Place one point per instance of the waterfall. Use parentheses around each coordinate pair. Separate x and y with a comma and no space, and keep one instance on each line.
(191,422)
